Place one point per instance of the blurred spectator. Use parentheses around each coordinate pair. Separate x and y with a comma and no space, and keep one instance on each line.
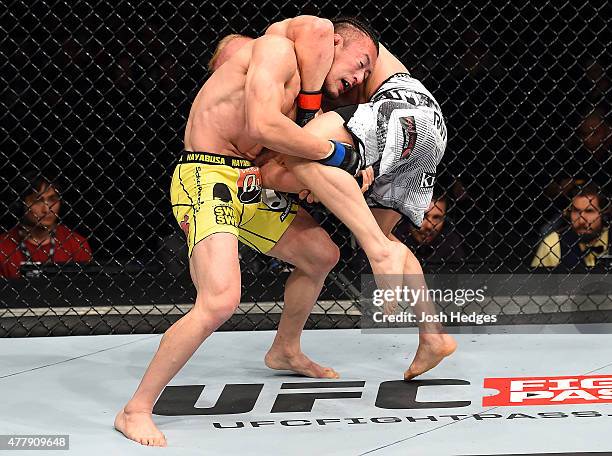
(598,85)
(595,132)
(434,241)
(39,238)
(589,162)
(587,237)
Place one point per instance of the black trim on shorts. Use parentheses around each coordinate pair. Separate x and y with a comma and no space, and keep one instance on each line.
(278,211)
(195,226)
(347,112)
(259,235)
(397,211)
(208,158)
(399,73)
(249,244)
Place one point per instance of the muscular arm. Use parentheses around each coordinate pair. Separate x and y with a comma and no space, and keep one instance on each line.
(275,175)
(313,38)
(273,65)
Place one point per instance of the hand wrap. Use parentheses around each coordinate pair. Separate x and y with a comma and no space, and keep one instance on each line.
(343,156)
(309,104)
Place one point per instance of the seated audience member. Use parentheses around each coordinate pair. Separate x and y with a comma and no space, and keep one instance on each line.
(434,241)
(39,238)
(584,240)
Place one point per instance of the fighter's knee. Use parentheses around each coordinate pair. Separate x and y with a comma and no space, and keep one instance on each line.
(224,311)
(324,256)
(219,307)
(330,256)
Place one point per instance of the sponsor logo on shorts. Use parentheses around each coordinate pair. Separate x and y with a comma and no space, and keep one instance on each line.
(222,192)
(206,158)
(410,134)
(249,185)
(198,182)
(185,225)
(225,215)
(238,162)
(439,124)
(285,213)
(594,389)
(277,202)
(427,180)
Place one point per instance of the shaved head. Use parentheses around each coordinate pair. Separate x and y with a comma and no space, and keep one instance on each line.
(226,48)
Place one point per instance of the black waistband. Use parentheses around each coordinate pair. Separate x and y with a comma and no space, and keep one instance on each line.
(207,158)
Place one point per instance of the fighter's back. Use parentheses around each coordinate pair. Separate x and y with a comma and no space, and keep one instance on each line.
(217,120)
(217,117)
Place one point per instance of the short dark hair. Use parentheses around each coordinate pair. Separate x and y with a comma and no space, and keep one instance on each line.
(346,22)
(591,189)
(33,182)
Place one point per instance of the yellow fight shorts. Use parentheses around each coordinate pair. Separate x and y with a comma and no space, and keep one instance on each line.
(213,193)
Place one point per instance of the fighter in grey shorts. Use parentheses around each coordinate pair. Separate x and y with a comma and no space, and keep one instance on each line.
(397,126)
(400,133)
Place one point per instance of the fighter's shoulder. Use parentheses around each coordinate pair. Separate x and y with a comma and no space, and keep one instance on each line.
(276,42)
(275,52)
(289,27)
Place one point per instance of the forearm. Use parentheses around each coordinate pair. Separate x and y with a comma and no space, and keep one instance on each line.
(281,134)
(314,49)
(276,176)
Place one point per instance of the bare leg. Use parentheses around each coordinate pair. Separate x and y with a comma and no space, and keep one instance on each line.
(434,343)
(339,192)
(308,247)
(218,295)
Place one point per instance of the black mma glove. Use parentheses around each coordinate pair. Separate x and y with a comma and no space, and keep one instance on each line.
(343,156)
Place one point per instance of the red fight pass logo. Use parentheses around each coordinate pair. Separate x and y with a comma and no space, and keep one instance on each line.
(593,389)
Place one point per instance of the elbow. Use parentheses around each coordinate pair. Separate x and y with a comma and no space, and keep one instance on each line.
(259,129)
(321,29)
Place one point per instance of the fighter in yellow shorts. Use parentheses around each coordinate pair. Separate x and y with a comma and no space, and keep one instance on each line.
(247,104)
(216,194)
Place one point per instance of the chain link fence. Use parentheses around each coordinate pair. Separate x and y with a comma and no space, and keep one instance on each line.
(95,96)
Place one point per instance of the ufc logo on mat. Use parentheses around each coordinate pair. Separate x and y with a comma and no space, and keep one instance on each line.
(241,398)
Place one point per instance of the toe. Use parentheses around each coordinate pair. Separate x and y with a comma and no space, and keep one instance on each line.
(330,373)
(410,374)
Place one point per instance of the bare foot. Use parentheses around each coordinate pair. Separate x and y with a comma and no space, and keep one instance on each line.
(432,349)
(139,427)
(388,271)
(300,364)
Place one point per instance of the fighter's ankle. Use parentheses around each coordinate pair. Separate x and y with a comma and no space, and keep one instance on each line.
(429,331)
(380,254)
(134,408)
(285,351)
